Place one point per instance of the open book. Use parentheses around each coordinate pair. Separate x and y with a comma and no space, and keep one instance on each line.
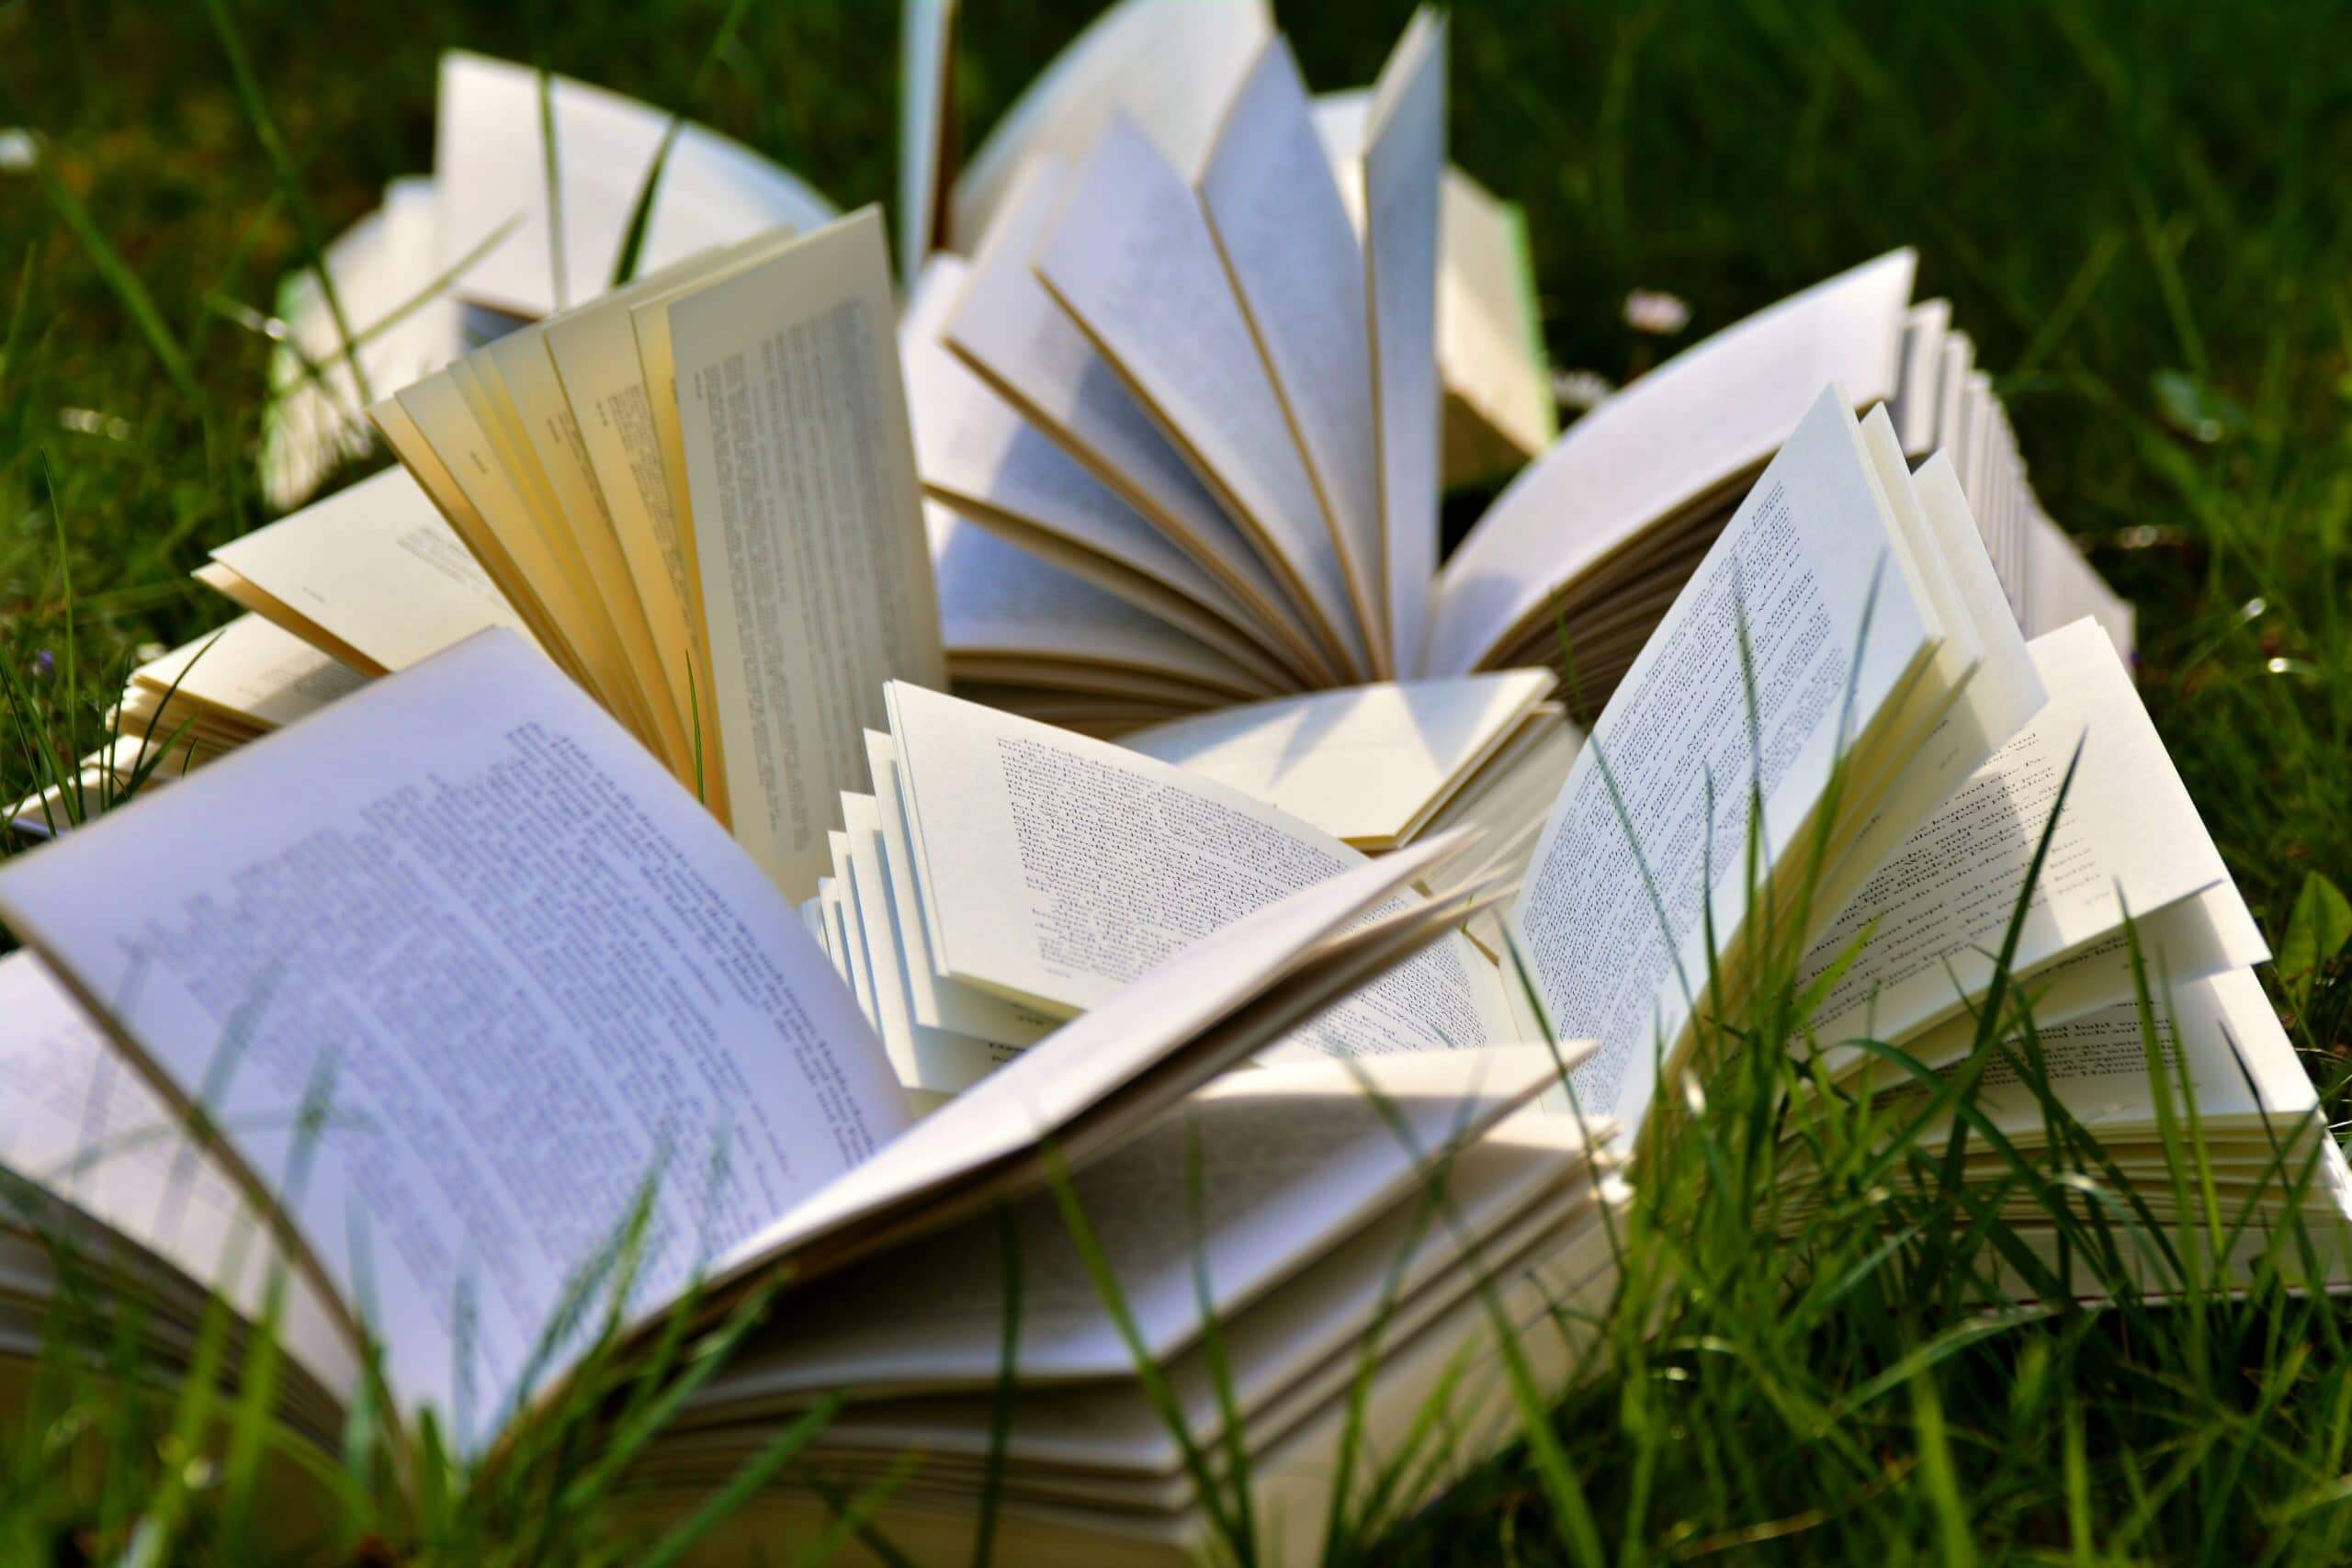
(1190,365)
(462,979)
(713,527)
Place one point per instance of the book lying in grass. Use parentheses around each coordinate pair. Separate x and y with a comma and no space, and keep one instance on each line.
(714,529)
(1838,761)
(471,1019)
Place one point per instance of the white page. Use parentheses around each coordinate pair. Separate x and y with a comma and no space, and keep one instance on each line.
(1709,414)
(1170,65)
(997,598)
(979,452)
(1143,1025)
(491,162)
(1916,399)
(934,1061)
(1807,553)
(1013,334)
(85,1127)
(933,1002)
(1952,391)
(377,568)
(1403,160)
(816,571)
(926,39)
(536,967)
(1942,902)
(1298,273)
(1131,258)
(2222,1029)
(1363,763)
(1062,868)
(853,932)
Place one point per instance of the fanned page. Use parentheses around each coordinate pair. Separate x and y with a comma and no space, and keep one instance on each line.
(2127,838)
(1673,438)
(1131,258)
(495,165)
(521,971)
(808,526)
(1284,232)
(997,600)
(1366,764)
(372,575)
(980,457)
(1013,334)
(1650,833)
(1403,160)
(1170,67)
(1056,870)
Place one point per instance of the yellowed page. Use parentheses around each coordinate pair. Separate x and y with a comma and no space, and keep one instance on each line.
(376,567)
(437,408)
(251,672)
(526,375)
(809,528)
(477,379)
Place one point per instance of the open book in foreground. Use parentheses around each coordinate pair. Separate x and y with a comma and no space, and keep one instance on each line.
(462,979)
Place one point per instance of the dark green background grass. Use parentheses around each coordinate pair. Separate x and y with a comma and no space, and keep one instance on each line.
(2142,213)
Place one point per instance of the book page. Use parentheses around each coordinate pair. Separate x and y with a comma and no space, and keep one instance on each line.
(251,672)
(1131,258)
(1403,160)
(1016,337)
(1275,213)
(1915,402)
(978,454)
(1170,67)
(1061,868)
(529,974)
(2128,838)
(88,1130)
(491,163)
(528,379)
(378,567)
(1364,763)
(1611,923)
(996,598)
(1711,413)
(816,568)
(926,39)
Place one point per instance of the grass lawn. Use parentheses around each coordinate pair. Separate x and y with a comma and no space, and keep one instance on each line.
(2142,213)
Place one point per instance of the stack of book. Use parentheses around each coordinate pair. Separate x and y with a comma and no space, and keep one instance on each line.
(465,915)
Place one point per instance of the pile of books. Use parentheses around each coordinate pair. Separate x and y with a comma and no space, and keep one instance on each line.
(892,770)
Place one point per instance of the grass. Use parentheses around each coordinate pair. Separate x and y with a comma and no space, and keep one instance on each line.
(2141,215)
